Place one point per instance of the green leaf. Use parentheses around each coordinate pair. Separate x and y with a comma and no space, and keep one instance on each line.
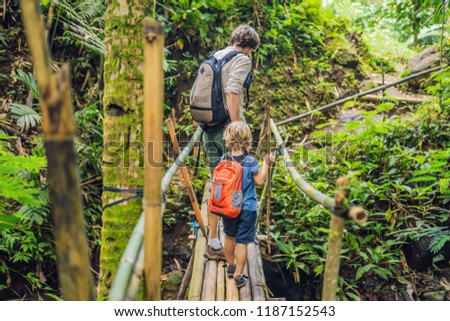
(422,179)
(353,125)
(363,270)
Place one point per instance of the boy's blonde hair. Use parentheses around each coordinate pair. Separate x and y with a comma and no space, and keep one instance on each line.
(238,135)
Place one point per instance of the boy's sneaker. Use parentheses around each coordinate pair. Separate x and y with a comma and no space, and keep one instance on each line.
(212,254)
(240,280)
(230,270)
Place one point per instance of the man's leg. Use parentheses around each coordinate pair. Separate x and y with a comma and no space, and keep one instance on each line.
(215,148)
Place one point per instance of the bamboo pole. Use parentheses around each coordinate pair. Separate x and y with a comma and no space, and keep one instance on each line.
(269,182)
(334,243)
(220,283)
(210,281)
(134,247)
(231,289)
(358,214)
(153,136)
(364,93)
(199,267)
(186,278)
(220,290)
(64,184)
(319,197)
(195,288)
(255,274)
(187,181)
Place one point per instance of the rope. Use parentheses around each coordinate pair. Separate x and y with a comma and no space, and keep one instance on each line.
(139,193)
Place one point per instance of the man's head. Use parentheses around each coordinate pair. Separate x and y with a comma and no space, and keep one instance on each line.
(244,37)
(237,135)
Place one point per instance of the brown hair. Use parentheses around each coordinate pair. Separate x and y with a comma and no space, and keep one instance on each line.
(244,36)
(238,135)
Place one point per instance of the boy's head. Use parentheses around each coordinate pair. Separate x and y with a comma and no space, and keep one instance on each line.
(244,36)
(237,135)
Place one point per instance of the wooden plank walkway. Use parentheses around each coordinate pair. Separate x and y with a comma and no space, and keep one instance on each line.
(209,281)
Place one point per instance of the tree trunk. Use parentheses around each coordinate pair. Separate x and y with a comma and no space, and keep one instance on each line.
(123,149)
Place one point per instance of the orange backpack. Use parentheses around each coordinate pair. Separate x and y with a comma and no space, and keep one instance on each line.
(226,198)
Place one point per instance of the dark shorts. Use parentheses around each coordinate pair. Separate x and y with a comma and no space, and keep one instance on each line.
(242,227)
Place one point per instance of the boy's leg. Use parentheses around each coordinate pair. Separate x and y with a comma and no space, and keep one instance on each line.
(245,233)
(241,258)
(229,246)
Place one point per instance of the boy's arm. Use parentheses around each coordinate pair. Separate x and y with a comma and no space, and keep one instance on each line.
(260,177)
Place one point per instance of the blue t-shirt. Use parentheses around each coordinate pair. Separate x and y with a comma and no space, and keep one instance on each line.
(250,166)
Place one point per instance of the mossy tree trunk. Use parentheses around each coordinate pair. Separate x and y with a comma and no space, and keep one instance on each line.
(123,149)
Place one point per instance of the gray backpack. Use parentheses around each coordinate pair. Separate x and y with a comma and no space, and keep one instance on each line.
(206,99)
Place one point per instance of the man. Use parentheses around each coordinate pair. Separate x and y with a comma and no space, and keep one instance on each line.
(244,39)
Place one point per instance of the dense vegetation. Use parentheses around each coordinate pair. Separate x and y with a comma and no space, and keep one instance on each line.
(310,54)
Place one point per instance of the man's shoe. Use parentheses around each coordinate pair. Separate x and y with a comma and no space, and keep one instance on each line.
(212,254)
(240,280)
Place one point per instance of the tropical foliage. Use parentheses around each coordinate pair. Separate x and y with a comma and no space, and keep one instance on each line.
(397,154)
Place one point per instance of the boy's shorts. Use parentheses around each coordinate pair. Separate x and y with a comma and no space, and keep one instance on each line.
(242,227)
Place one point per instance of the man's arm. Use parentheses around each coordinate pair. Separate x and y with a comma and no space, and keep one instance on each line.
(233,102)
(240,68)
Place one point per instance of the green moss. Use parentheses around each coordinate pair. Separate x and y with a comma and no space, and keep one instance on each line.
(123,103)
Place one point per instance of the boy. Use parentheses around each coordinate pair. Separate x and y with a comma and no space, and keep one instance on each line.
(240,231)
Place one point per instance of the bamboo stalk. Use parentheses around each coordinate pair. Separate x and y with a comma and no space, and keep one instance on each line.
(334,243)
(220,290)
(153,136)
(319,197)
(186,278)
(210,281)
(136,277)
(64,184)
(120,285)
(358,214)
(187,181)
(409,100)
(361,94)
(195,288)
(255,274)
(231,289)
(269,183)
(199,268)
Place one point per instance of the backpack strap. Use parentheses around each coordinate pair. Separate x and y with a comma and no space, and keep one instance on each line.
(228,57)
(247,84)
(197,159)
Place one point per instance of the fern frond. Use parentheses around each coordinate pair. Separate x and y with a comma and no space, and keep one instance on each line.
(26,117)
(29,80)
(83,23)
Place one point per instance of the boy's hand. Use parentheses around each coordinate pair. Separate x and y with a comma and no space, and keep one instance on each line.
(269,159)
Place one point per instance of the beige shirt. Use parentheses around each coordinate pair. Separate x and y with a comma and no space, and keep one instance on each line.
(234,74)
